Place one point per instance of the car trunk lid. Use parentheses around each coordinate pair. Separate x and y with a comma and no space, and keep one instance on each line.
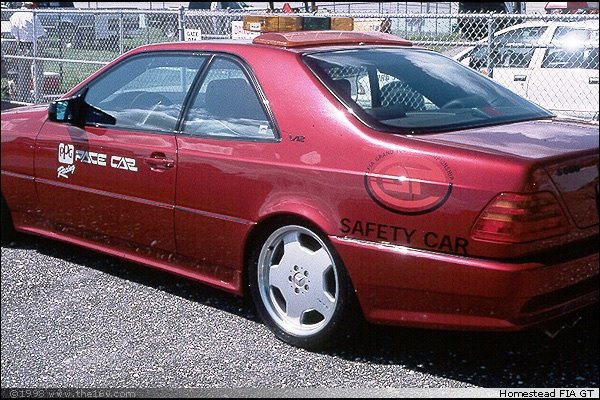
(532,139)
(567,150)
(577,181)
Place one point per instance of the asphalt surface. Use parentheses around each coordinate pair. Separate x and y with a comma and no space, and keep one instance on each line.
(75,318)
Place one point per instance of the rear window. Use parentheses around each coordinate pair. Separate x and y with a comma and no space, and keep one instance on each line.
(417,91)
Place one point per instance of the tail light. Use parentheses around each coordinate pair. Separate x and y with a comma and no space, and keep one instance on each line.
(519,218)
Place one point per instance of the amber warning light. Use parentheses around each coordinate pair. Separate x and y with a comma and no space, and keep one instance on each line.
(294,23)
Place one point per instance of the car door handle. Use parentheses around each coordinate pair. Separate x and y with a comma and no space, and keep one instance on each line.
(159,161)
(520,78)
(593,80)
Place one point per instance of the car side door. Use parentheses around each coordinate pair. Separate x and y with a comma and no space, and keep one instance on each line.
(228,152)
(512,57)
(565,80)
(112,177)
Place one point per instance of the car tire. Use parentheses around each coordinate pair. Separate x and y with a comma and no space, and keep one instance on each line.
(7,232)
(309,302)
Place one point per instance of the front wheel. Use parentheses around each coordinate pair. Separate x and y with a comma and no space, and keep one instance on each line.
(300,287)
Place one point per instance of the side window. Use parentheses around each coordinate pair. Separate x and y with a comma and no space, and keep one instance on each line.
(581,58)
(227,105)
(572,48)
(568,35)
(510,52)
(530,34)
(146,92)
(513,57)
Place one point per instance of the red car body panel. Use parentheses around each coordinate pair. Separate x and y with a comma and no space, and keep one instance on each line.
(133,210)
(449,291)
(198,219)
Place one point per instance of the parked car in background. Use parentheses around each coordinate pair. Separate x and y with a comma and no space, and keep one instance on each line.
(554,64)
(571,7)
(438,199)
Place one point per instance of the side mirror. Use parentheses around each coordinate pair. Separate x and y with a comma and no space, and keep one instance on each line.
(75,111)
(69,110)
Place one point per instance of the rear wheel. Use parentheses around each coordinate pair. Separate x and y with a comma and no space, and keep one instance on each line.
(300,288)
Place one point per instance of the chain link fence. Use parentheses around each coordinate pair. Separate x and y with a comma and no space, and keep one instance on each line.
(550,59)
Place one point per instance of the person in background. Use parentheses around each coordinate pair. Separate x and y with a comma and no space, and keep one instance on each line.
(27,29)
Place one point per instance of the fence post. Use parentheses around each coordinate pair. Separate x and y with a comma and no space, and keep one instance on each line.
(180,29)
(121,36)
(34,66)
(490,63)
(146,18)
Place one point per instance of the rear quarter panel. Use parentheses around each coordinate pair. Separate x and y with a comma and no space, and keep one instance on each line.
(323,177)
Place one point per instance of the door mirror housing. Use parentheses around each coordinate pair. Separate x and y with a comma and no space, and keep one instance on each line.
(75,111)
(69,111)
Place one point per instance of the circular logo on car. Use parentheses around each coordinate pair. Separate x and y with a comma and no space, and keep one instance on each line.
(409,184)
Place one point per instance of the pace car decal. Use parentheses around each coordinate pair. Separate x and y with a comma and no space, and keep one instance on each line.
(67,154)
(409,184)
(63,172)
(90,157)
(403,236)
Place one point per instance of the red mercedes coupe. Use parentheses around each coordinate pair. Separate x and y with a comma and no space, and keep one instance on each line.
(331,175)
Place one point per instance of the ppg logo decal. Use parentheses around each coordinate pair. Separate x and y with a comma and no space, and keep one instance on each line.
(409,184)
(66,153)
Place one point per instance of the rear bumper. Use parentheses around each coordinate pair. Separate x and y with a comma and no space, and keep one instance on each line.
(397,285)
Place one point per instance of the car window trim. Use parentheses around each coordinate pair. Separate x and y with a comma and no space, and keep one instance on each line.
(260,95)
(148,130)
(191,94)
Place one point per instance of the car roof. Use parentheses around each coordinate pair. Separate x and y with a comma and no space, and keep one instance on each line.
(589,24)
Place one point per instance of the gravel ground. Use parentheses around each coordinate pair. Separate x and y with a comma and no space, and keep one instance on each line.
(74,318)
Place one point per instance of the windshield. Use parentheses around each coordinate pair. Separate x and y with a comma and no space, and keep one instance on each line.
(417,91)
